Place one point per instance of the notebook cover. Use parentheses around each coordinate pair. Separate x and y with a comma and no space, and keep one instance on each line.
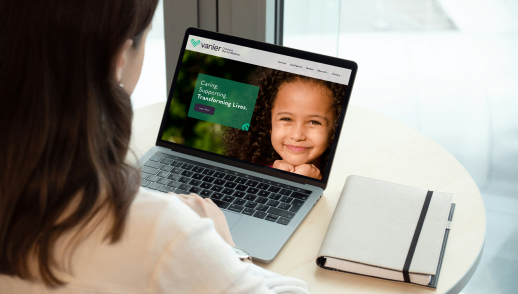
(434,280)
(382,239)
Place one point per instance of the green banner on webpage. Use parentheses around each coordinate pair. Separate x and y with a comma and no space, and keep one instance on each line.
(223,101)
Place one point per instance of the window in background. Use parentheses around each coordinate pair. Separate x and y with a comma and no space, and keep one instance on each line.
(449,69)
(152,85)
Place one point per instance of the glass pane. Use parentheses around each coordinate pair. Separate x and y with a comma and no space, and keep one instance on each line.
(394,15)
(448,69)
(316,21)
(152,86)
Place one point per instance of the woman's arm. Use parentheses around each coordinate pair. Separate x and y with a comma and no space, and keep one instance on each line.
(199,260)
(208,209)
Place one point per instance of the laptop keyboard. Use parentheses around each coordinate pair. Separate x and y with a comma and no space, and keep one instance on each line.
(230,190)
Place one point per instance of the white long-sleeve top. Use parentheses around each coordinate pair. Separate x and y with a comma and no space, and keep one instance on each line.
(166,248)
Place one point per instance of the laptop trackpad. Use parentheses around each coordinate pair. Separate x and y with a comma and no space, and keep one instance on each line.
(232,218)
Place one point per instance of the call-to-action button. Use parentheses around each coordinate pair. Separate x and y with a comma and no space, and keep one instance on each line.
(204,109)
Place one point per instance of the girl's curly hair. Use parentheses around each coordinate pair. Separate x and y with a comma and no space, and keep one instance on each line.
(255,145)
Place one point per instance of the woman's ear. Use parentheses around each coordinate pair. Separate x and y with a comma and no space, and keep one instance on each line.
(122,58)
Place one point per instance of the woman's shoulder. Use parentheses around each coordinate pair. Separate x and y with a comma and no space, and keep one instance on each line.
(152,206)
(154,222)
(160,217)
(154,219)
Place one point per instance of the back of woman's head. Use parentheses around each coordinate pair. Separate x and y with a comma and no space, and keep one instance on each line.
(65,123)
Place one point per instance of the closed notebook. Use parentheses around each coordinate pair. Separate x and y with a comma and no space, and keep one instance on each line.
(388,231)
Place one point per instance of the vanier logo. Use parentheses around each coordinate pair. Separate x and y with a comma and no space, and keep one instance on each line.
(214,47)
(206,46)
(195,43)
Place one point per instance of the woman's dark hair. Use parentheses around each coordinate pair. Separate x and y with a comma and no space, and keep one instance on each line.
(65,125)
(256,145)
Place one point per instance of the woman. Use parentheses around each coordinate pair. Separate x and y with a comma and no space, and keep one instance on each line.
(72,218)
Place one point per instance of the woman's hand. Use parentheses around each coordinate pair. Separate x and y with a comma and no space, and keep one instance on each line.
(283,165)
(207,208)
(309,170)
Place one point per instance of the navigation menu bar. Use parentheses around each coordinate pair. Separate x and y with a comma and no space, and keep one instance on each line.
(268,59)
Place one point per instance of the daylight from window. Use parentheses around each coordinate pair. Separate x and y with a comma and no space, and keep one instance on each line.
(448,68)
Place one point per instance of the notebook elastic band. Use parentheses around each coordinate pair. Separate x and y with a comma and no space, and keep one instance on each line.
(417,232)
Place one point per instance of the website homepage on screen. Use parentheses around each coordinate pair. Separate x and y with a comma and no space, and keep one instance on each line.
(257,106)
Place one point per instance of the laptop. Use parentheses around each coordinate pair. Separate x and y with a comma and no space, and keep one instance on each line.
(254,127)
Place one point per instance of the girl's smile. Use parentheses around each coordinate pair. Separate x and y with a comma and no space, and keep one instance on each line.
(302,122)
(297,149)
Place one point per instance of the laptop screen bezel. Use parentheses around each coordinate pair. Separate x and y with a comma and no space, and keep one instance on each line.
(246,164)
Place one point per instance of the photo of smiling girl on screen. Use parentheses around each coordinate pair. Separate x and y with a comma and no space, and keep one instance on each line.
(293,124)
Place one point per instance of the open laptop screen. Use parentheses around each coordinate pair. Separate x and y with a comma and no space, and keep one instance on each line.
(257,106)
